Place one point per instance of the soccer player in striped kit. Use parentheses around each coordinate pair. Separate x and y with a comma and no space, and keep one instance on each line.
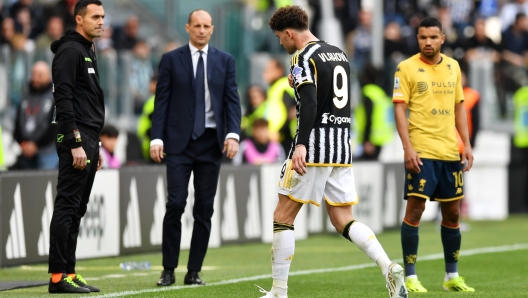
(319,165)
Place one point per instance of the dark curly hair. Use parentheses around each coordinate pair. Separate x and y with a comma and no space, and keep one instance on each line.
(289,17)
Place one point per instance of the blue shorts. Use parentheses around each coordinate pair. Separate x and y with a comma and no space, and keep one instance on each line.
(438,180)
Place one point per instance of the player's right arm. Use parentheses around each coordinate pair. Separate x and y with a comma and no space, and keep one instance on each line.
(412,160)
(307,115)
(401,97)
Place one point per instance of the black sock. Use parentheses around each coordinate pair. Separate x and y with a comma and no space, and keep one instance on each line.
(451,239)
(409,240)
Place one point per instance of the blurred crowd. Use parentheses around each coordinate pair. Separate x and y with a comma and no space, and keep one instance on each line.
(476,30)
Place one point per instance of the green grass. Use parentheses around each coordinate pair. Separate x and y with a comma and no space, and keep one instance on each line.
(494,274)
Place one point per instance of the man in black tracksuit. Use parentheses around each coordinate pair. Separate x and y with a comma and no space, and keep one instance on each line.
(79,102)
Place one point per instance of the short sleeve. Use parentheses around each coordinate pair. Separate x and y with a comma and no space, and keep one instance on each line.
(459,93)
(401,90)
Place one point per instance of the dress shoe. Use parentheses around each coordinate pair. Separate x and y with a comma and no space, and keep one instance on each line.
(167,278)
(192,278)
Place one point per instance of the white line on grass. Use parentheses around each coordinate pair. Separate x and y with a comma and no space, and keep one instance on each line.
(469,252)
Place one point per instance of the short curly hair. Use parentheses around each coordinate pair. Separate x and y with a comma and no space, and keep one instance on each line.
(289,17)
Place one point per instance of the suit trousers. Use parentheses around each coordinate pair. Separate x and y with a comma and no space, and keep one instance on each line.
(202,157)
(73,193)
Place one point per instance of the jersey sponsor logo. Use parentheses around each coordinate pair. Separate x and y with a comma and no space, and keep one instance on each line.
(333,57)
(91,70)
(441,112)
(334,119)
(397,94)
(421,70)
(422,87)
(443,84)
(88,59)
(396,83)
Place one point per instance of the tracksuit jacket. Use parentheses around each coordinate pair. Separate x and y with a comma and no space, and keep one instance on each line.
(78,96)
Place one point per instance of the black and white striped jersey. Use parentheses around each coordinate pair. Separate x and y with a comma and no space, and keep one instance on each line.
(326,67)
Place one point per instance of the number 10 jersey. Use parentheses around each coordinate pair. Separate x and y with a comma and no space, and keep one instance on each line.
(326,67)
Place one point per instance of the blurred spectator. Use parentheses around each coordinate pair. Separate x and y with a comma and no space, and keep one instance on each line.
(23,22)
(520,137)
(141,71)
(125,38)
(374,116)
(289,129)
(488,8)
(20,64)
(410,30)
(4,13)
(259,149)
(28,18)
(454,42)
(7,31)
(33,129)
(514,47)
(460,12)
(472,106)
(399,10)
(255,108)
(263,5)
(359,44)
(279,97)
(346,12)
(54,31)
(108,137)
(509,12)
(395,50)
(145,120)
(64,10)
(479,46)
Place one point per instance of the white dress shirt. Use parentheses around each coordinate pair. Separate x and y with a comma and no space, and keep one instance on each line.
(209,113)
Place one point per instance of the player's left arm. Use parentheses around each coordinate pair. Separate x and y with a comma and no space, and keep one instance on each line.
(462,126)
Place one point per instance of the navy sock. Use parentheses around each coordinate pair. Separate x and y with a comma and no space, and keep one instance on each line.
(451,239)
(409,240)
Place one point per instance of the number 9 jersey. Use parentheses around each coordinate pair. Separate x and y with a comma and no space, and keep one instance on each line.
(326,67)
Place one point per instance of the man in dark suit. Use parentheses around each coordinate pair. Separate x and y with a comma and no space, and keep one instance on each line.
(196,100)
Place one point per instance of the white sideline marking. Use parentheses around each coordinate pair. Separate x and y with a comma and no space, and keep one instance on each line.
(469,252)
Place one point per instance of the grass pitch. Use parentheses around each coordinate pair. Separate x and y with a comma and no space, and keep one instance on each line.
(494,260)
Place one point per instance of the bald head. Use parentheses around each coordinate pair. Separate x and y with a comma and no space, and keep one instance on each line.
(41,75)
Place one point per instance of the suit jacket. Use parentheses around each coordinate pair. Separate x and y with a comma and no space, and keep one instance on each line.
(174,105)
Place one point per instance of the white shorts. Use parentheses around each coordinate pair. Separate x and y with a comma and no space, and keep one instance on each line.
(334,184)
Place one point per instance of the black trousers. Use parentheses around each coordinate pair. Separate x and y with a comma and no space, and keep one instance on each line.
(73,192)
(202,157)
